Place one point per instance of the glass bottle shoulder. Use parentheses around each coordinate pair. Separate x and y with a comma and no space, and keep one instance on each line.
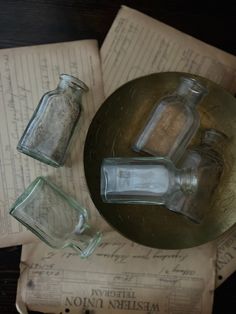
(55,102)
(46,98)
(178,107)
(180,119)
(210,157)
(173,115)
(191,159)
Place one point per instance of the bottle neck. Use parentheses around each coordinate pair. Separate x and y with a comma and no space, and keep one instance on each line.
(187,180)
(191,90)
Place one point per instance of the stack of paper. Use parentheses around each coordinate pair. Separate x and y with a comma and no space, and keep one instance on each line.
(114,279)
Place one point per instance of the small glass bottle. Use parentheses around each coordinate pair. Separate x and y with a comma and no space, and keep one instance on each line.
(143,180)
(56,218)
(207,159)
(173,122)
(49,132)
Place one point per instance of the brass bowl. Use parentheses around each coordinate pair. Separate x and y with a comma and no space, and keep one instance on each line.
(112,133)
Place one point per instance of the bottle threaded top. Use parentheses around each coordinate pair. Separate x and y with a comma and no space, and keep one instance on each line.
(188,180)
(213,137)
(192,90)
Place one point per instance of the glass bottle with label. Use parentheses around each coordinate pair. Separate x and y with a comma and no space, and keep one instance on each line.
(173,122)
(144,180)
(49,132)
(56,218)
(207,159)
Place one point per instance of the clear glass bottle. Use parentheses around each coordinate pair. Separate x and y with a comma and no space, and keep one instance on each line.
(147,180)
(207,159)
(55,218)
(173,122)
(49,132)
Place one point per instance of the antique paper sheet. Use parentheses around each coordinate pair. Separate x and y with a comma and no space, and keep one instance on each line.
(120,277)
(226,256)
(138,45)
(25,74)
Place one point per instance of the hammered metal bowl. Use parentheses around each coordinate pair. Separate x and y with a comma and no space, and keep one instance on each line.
(112,133)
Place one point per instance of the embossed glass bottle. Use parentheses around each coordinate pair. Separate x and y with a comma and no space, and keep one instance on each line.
(207,159)
(55,218)
(49,132)
(173,122)
(147,180)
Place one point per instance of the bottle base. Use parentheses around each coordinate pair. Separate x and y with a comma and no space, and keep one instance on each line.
(43,158)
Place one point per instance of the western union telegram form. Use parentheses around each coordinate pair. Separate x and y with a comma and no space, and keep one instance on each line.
(120,277)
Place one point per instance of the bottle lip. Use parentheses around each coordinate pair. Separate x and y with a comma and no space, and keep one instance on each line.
(215,132)
(73,81)
(195,86)
(214,135)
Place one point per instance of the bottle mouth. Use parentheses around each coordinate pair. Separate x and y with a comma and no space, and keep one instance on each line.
(194,85)
(73,81)
(192,89)
(212,135)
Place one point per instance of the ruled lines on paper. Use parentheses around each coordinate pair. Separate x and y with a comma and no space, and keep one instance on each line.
(137,45)
(25,75)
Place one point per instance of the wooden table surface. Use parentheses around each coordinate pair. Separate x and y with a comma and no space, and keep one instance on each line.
(29,22)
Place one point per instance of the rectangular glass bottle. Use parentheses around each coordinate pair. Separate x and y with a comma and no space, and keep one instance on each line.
(143,180)
(48,134)
(207,159)
(173,122)
(56,218)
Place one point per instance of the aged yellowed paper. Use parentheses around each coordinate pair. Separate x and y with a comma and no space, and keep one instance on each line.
(120,277)
(137,45)
(226,256)
(25,74)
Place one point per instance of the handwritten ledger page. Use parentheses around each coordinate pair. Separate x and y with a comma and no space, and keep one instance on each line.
(25,74)
(138,45)
(121,277)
